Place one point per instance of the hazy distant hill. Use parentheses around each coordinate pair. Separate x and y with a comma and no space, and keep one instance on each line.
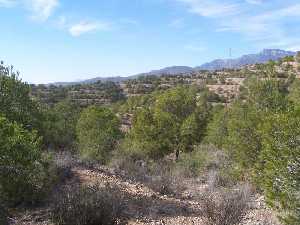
(171,70)
(93,80)
(218,64)
(262,57)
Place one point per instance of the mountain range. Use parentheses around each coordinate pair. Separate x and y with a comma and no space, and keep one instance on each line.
(218,64)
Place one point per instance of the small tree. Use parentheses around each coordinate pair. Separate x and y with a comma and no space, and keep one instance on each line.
(298,57)
(22,170)
(60,125)
(243,141)
(279,173)
(15,101)
(294,92)
(298,61)
(217,128)
(175,121)
(97,132)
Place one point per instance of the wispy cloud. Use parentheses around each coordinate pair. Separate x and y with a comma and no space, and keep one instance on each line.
(87,27)
(42,9)
(7,3)
(211,8)
(264,26)
(255,2)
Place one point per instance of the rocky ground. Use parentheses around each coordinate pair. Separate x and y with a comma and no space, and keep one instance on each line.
(146,207)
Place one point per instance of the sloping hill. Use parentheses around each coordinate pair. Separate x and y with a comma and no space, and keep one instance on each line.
(218,64)
(262,57)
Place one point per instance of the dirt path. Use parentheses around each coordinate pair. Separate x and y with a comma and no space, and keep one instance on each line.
(144,207)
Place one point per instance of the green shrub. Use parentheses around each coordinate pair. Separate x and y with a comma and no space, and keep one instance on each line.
(174,122)
(279,171)
(15,101)
(22,169)
(3,215)
(243,141)
(97,132)
(195,162)
(93,205)
(60,126)
(217,128)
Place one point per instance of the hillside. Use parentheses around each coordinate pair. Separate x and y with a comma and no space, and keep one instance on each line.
(171,149)
(223,84)
(218,64)
(262,57)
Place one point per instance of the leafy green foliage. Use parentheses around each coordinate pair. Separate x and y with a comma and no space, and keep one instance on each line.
(298,57)
(217,128)
(60,125)
(260,132)
(294,94)
(174,122)
(264,95)
(243,141)
(3,215)
(97,132)
(22,169)
(82,94)
(15,101)
(279,176)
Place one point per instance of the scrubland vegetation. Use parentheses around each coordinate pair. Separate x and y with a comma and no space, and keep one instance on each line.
(177,139)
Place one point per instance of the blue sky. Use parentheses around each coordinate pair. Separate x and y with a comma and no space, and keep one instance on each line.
(67,40)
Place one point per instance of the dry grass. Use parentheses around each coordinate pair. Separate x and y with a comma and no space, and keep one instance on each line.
(93,205)
(226,208)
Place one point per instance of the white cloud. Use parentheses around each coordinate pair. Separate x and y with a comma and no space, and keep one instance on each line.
(86,27)
(261,27)
(42,9)
(267,25)
(211,8)
(255,2)
(7,3)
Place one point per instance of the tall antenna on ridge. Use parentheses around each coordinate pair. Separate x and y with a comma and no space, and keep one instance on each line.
(230,56)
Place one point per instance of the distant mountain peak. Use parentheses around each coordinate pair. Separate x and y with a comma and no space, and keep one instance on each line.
(262,57)
(218,64)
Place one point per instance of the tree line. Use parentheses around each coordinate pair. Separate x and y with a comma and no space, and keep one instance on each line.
(259,132)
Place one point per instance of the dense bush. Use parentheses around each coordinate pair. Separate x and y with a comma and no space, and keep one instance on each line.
(279,174)
(294,95)
(174,122)
(97,132)
(217,128)
(3,215)
(93,205)
(243,140)
(15,101)
(60,125)
(260,133)
(23,171)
